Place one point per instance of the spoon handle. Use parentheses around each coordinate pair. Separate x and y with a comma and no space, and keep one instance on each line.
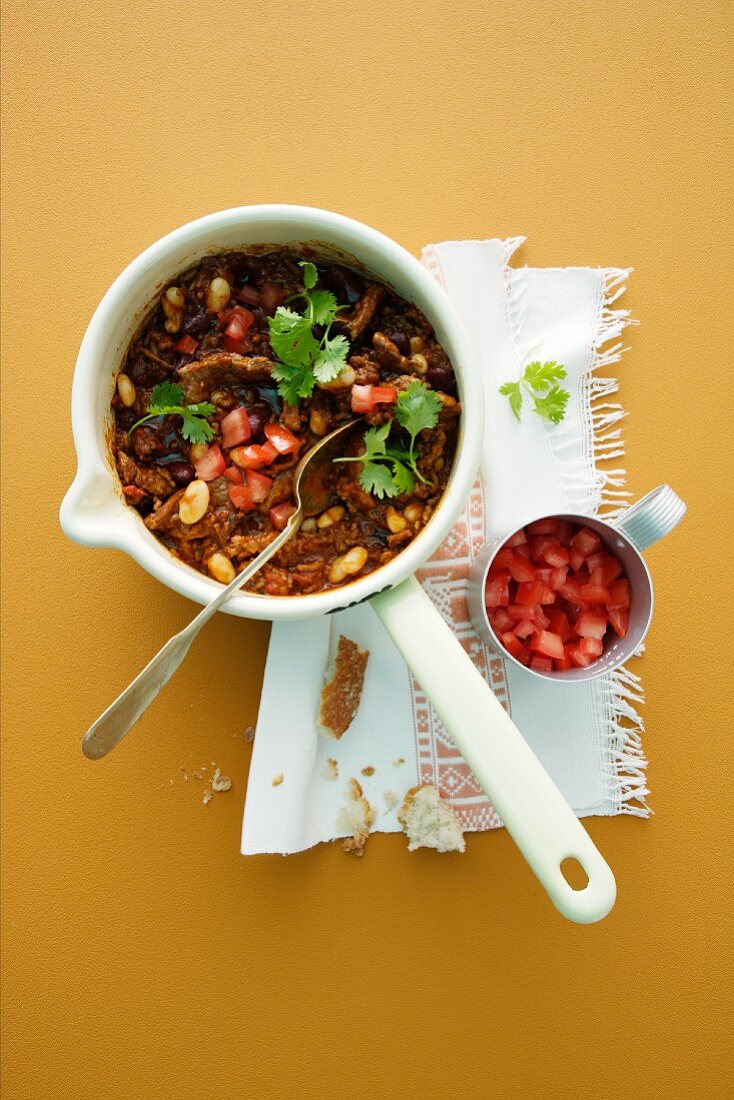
(121,716)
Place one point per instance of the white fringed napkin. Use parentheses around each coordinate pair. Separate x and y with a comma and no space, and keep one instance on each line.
(586,735)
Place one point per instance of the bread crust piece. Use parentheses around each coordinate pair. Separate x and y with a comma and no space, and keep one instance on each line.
(342,693)
(429,821)
(356,816)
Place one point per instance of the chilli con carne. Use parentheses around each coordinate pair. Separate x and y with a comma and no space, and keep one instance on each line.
(209,427)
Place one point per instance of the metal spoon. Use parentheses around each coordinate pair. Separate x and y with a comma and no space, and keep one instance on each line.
(313,493)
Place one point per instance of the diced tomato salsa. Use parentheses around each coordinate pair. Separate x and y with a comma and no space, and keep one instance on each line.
(556,596)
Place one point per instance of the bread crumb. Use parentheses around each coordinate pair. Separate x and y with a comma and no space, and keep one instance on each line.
(357,817)
(331,769)
(197,775)
(429,822)
(400,760)
(207,797)
(220,782)
(277,780)
(391,800)
(368,771)
(250,734)
(342,693)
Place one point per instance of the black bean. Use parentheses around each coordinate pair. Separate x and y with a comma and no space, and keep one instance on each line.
(259,415)
(400,340)
(145,505)
(345,284)
(126,418)
(143,372)
(181,472)
(439,378)
(197,324)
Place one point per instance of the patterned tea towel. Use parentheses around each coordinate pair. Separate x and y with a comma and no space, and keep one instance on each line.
(587,735)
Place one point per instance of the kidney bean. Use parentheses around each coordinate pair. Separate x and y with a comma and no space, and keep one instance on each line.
(400,340)
(143,372)
(181,472)
(345,284)
(126,418)
(271,296)
(259,415)
(197,324)
(441,379)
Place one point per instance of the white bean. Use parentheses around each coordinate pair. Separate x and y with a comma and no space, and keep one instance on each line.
(331,515)
(354,560)
(395,521)
(221,568)
(126,390)
(218,295)
(194,502)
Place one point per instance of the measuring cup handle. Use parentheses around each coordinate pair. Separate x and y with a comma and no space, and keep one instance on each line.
(652,517)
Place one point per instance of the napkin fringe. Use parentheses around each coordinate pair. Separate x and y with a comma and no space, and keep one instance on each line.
(626,769)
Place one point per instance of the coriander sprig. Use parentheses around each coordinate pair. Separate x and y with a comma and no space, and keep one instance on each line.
(303,358)
(166,399)
(389,471)
(540,383)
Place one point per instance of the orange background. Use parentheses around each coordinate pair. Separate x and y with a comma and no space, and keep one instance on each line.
(143,957)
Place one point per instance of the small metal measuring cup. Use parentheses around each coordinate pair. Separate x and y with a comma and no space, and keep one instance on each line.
(641,525)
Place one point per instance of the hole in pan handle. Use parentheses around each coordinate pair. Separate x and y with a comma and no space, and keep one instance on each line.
(534,811)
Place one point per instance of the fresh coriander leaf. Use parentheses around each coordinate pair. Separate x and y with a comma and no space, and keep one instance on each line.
(202,408)
(402,477)
(513,391)
(376,478)
(310,274)
(331,360)
(417,408)
(165,394)
(323,304)
(293,382)
(194,429)
(551,405)
(539,375)
(291,337)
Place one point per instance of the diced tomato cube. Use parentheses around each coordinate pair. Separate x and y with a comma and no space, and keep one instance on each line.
(525,628)
(254,457)
(542,575)
(559,624)
(529,593)
(543,527)
(239,347)
(539,546)
(186,345)
(594,593)
(524,657)
(619,594)
(611,569)
(271,296)
(576,560)
(586,541)
(512,644)
(557,578)
(596,561)
(619,618)
(235,475)
(280,514)
(591,647)
(259,485)
(541,664)
(523,551)
(579,659)
(571,591)
(563,663)
(520,568)
(547,596)
(563,532)
(547,643)
(500,620)
(517,612)
(497,592)
(590,624)
(501,560)
(211,465)
(518,539)
(556,555)
(235,427)
(361,399)
(285,442)
(241,496)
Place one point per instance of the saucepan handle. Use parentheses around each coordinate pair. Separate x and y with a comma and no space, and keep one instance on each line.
(652,517)
(532,808)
